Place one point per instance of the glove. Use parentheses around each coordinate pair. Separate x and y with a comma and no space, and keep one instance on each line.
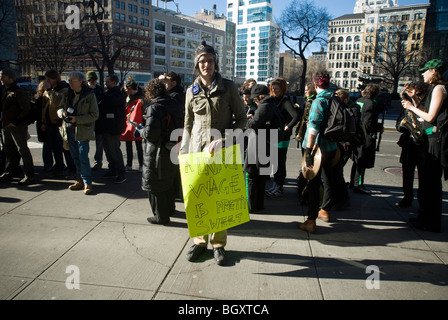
(309,159)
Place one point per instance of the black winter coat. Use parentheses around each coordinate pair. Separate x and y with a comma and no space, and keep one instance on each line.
(158,169)
(290,114)
(369,117)
(260,121)
(112,112)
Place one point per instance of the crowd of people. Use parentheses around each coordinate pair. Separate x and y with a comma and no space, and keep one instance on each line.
(71,115)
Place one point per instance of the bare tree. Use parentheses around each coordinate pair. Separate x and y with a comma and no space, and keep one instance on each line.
(109,49)
(47,44)
(302,24)
(398,48)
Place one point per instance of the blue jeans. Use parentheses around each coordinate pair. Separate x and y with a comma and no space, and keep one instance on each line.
(79,151)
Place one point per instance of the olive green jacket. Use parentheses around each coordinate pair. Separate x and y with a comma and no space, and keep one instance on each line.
(86,113)
(218,108)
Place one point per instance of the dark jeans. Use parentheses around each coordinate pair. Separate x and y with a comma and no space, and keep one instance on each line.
(280,175)
(98,157)
(162,205)
(326,177)
(16,147)
(256,184)
(430,193)
(130,152)
(412,156)
(54,143)
(111,144)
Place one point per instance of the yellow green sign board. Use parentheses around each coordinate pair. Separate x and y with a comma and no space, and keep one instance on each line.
(214,190)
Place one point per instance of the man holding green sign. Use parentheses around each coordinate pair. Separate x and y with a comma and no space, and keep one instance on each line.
(212,105)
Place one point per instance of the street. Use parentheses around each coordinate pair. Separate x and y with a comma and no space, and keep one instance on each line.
(61,244)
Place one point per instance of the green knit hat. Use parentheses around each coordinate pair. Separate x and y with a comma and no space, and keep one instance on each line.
(435,64)
(91,75)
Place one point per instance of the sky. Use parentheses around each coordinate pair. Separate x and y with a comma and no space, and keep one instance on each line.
(335,8)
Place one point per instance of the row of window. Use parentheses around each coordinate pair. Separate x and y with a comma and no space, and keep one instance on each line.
(131,19)
(131,8)
(346,56)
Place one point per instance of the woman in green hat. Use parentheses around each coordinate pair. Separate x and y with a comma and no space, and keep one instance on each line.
(434,115)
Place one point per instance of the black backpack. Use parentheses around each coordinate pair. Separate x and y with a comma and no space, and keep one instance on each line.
(341,125)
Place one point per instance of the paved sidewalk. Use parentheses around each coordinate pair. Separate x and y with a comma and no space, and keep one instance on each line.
(51,236)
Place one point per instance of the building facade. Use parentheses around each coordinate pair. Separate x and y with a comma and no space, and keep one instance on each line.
(436,31)
(257,39)
(345,43)
(360,42)
(177,36)
(46,42)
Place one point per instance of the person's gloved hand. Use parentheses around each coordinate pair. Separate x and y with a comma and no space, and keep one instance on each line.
(137,132)
(309,159)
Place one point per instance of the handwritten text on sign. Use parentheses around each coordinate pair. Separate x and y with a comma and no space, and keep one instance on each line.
(214,191)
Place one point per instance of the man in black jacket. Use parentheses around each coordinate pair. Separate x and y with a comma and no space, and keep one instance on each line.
(111,124)
(15,107)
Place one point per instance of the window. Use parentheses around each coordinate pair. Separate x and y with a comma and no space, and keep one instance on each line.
(159,51)
(176,53)
(207,37)
(158,61)
(193,33)
(159,38)
(179,42)
(179,64)
(178,30)
(159,26)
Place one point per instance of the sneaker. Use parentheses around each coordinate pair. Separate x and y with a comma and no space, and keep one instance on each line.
(120,179)
(278,192)
(128,168)
(195,252)
(26,181)
(220,255)
(271,190)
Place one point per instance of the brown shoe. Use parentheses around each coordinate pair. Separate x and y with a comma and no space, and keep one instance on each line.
(78,185)
(88,189)
(308,226)
(324,215)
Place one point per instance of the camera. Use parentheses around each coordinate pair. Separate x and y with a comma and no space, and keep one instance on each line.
(69,117)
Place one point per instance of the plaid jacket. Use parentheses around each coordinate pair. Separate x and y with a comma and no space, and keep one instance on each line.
(318,118)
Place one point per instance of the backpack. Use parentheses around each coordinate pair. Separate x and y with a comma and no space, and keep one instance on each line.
(341,125)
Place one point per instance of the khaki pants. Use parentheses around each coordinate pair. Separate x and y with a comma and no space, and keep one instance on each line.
(217,240)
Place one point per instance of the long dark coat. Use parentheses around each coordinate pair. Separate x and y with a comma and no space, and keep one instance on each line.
(369,118)
(158,169)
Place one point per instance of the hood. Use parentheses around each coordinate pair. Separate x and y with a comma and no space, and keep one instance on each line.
(171,105)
